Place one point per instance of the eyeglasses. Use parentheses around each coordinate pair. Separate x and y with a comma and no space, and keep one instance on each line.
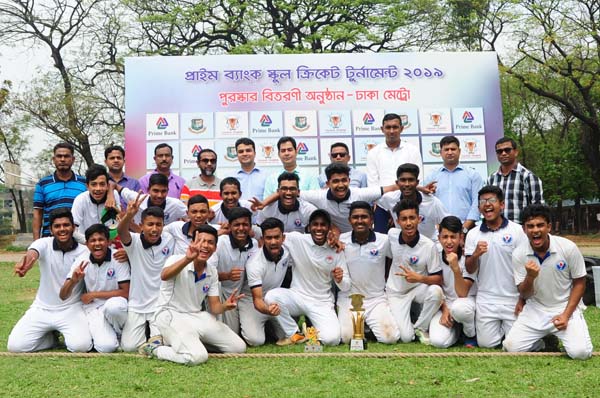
(339,155)
(488,200)
(208,161)
(504,150)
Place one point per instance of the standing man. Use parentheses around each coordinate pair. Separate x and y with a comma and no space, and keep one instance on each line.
(520,186)
(339,153)
(288,152)
(251,178)
(114,158)
(488,251)
(205,184)
(48,312)
(550,274)
(57,190)
(383,160)
(455,185)
(163,157)
(366,252)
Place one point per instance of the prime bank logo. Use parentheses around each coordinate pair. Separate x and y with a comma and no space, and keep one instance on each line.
(196,150)
(468,117)
(162,123)
(265,120)
(302,148)
(368,119)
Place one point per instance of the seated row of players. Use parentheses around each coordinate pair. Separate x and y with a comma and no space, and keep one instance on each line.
(441,284)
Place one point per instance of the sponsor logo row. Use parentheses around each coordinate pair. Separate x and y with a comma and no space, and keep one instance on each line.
(206,125)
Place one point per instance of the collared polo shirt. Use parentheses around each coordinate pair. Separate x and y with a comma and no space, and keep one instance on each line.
(420,256)
(196,186)
(146,262)
(87,212)
(366,263)
(174,209)
(307,181)
(553,285)
(252,184)
(448,275)
(227,257)
(176,183)
(383,161)
(187,290)
(53,193)
(265,272)
(55,265)
(293,220)
(358,179)
(495,275)
(313,265)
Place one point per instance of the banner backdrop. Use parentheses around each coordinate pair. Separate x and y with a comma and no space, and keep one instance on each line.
(210,101)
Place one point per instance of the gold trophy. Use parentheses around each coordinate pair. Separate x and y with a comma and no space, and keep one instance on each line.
(312,339)
(357,312)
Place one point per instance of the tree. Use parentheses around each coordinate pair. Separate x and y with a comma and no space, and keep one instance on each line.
(180,27)
(14,142)
(78,102)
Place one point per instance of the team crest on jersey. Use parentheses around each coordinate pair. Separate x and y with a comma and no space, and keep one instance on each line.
(110,273)
(205,288)
(374,252)
(413,260)
(329,259)
(298,222)
(507,238)
(166,251)
(421,218)
(561,265)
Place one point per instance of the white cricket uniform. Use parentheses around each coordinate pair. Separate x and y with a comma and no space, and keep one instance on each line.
(221,211)
(366,267)
(295,219)
(106,317)
(422,258)
(174,209)
(497,294)
(310,292)
(431,212)
(185,327)
(180,230)
(263,272)
(340,209)
(146,262)
(47,313)
(462,309)
(551,291)
(226,257)
(87,212)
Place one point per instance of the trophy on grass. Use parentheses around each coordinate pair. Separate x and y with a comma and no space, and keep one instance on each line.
(312,339)
(357,312)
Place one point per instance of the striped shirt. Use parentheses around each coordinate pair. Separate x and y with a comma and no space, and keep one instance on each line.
(53,193)
(521,188)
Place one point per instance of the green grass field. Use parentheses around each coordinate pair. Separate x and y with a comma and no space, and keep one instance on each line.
(122,375)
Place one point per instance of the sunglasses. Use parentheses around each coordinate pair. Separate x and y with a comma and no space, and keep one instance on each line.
(504,150)
(208,161)
(339,155)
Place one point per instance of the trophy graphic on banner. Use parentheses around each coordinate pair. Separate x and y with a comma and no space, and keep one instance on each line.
(357,312)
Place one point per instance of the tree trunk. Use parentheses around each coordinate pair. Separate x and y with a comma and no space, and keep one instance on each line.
(559,207)
(577,219)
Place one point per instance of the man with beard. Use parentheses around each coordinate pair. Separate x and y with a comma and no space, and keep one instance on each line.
(163,156)
(205,184)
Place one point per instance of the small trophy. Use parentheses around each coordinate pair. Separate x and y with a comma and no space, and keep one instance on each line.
(357,312)
(312,339)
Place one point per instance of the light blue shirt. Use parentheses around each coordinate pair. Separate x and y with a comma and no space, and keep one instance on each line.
(458,190)
(358,179)
(252,184)
(307,181)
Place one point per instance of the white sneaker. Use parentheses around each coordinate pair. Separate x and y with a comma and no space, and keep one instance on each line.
(422,336)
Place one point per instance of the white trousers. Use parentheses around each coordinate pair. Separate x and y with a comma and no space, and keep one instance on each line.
(429,296)
(462,311)
(378,317)
(106,323)
(252,323)
(185,336)
(493,322)
(535,323)
(33,332)
(134,331)
(321,314)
